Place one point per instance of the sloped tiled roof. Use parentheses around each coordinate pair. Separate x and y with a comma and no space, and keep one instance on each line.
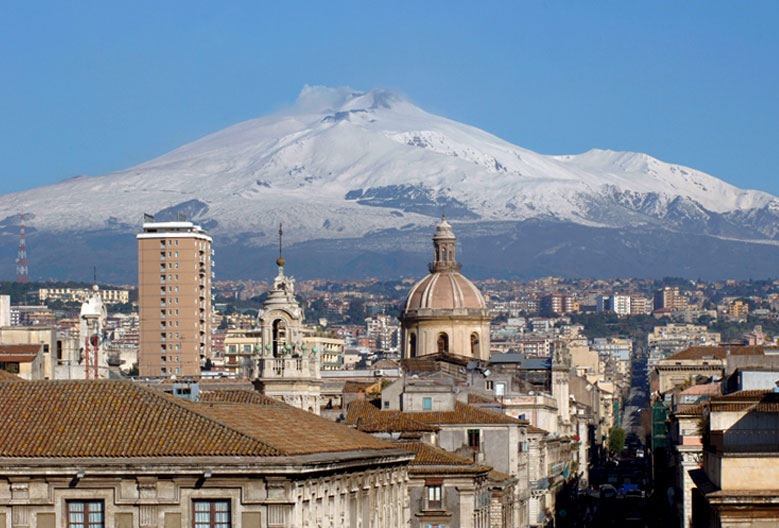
(497,476)
(690,410)
(433,460)
(718,352)
(109,418)
(292,431)
(463,414)
(17,358)
(7,376)
(703,389)
(532,429)
(118,418)
(355,386)
(20,348)
(747,400)
(385,364)
(366,417)
(238,396)
(475,397)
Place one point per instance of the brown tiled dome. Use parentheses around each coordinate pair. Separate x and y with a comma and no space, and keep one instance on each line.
(445,290)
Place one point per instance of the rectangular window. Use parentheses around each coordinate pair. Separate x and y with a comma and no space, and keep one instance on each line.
(427,404)
(488,385)
(212,514)
(434,497)
(473,439)
(85,514)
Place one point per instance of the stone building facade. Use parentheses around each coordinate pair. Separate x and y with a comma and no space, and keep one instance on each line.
(128,456)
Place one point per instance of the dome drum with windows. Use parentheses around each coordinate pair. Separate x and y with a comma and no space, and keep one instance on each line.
(445,312)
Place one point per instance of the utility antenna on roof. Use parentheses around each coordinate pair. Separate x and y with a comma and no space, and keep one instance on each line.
(280,260)
(94,274)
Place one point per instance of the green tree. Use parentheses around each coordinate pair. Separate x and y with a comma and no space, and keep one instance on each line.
(616,440)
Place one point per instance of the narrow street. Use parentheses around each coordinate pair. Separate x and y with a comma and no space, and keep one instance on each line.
(620,489)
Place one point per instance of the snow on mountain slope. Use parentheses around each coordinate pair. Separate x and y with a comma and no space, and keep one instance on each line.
(342,163)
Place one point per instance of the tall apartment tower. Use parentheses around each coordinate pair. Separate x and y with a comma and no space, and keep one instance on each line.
(174,298)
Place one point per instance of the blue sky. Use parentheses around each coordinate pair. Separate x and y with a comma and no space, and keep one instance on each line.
(92,87)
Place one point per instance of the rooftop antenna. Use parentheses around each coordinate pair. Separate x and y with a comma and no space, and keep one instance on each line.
(22,271)
(94,274)
(280,260)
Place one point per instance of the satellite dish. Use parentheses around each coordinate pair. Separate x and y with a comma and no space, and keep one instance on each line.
(487,372)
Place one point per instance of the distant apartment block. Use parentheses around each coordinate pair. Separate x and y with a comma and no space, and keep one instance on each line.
(82,295)
(619,304)
(669,298)
(738,310)
(174,298)
(557,303)
(616,347)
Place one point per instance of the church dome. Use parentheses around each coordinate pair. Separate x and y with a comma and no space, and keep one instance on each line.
(446,290)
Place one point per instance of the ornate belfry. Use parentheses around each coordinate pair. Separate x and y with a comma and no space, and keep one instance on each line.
(288,369)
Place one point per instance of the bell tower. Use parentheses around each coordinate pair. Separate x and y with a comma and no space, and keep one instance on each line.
(288,369)
(444,248)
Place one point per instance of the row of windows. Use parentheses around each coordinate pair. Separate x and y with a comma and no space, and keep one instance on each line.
(91,514)
(442,344)
(169,358)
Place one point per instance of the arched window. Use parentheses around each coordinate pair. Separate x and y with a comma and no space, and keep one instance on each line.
(412,345)
(475,344)
(443,343)
(279,336)
(443,254)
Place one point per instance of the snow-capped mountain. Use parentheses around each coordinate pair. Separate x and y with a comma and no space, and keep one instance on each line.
(345,164)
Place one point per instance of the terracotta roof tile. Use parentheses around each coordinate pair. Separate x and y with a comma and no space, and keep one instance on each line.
(463,414)
(366,417)
(718,352)
(499,477)
(21,348)
(7,376)
(747,400)
(109,418)
(532,429)
(703,389)
(355,386)
(290,430)
(475,397)
(690,410)
(17,358)
(238,396)
(435,460)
